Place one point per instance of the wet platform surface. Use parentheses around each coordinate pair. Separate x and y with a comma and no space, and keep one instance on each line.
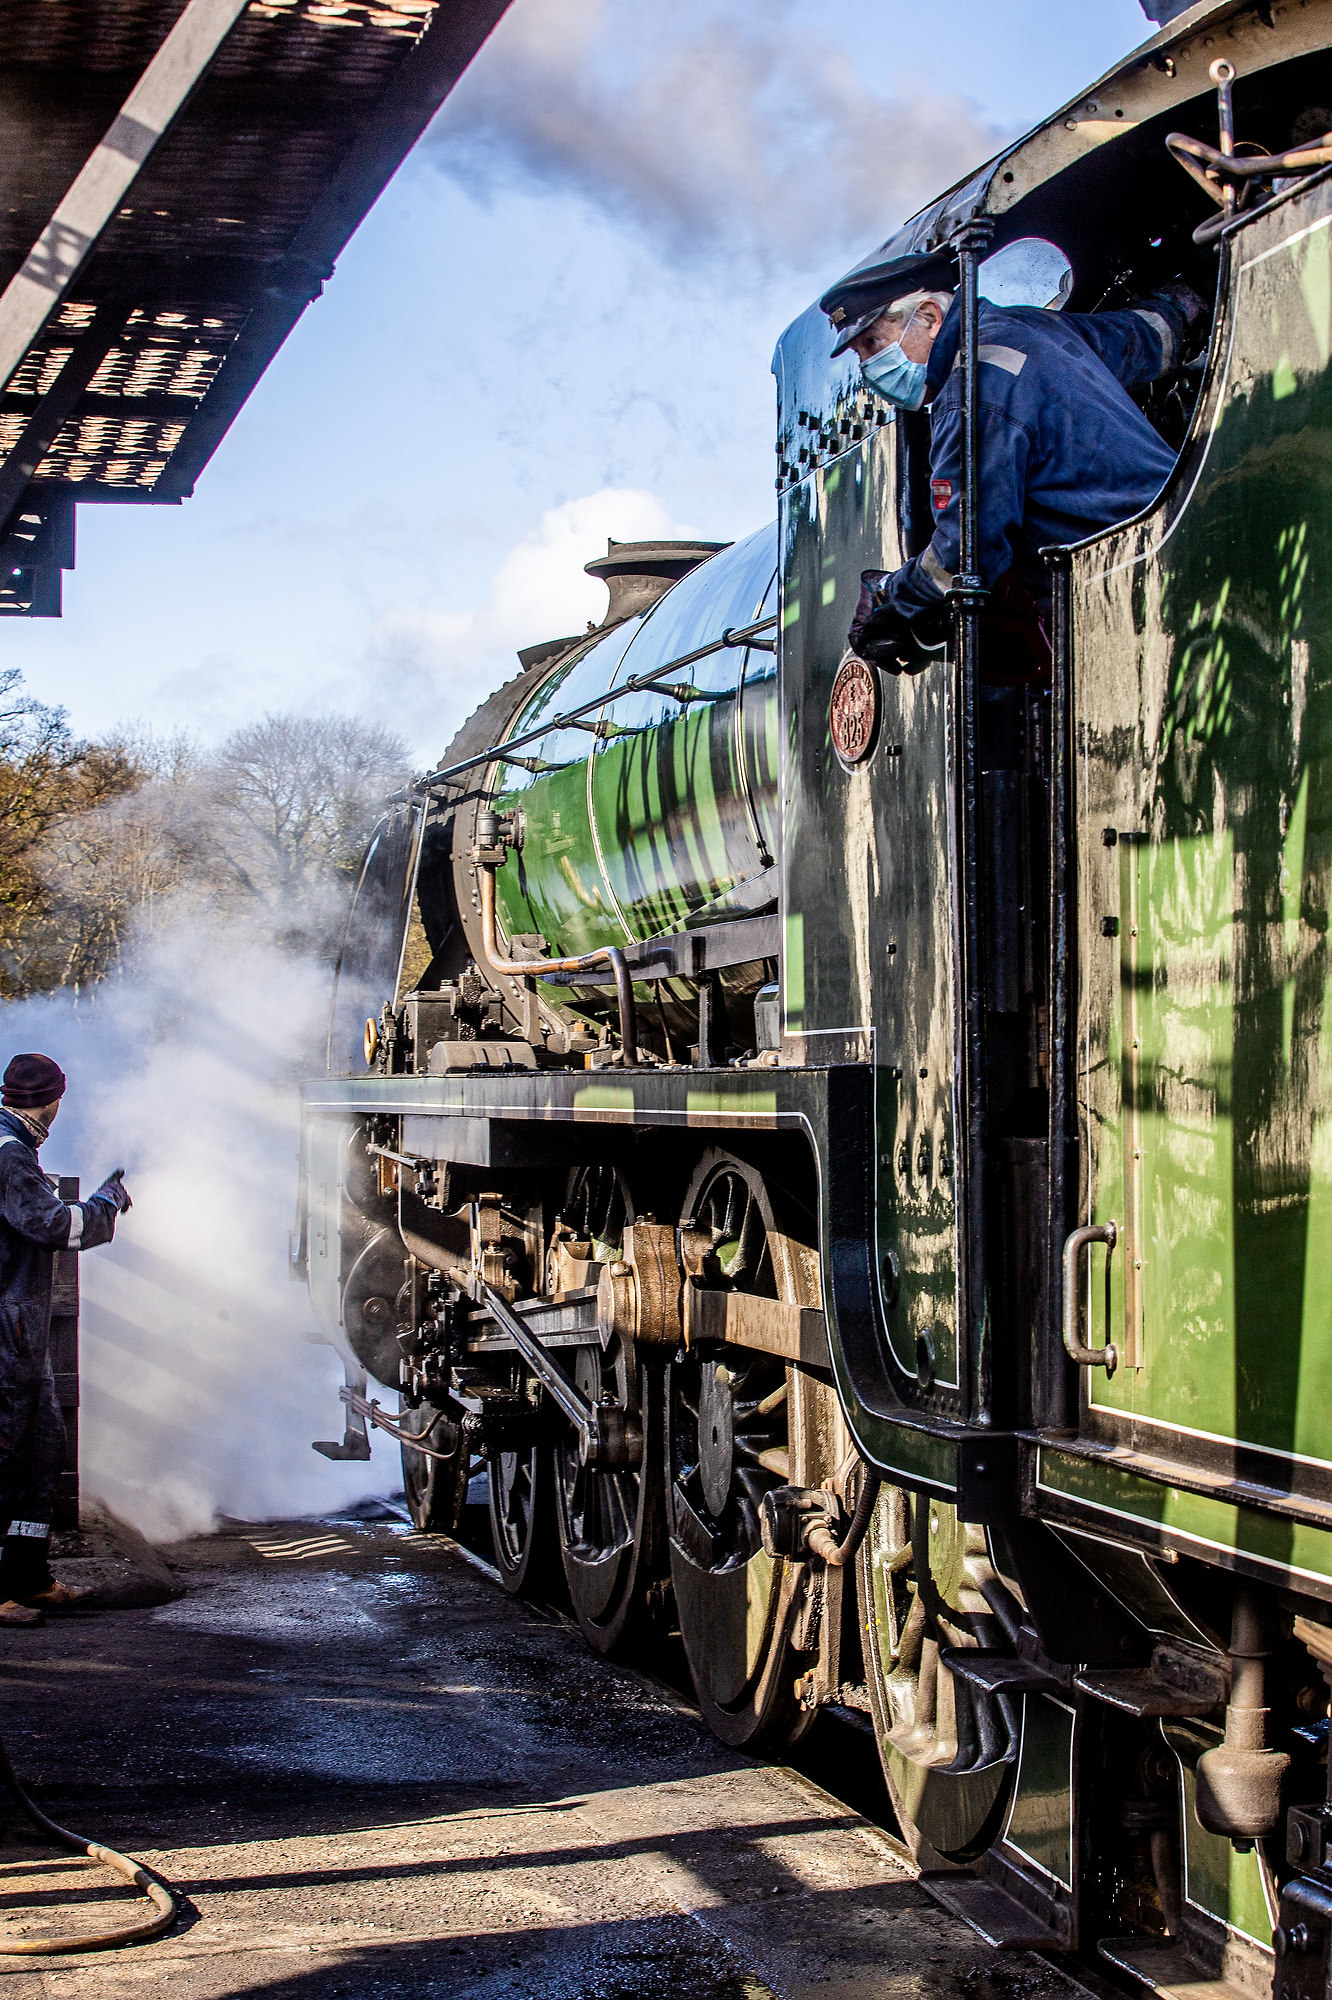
(373,1773)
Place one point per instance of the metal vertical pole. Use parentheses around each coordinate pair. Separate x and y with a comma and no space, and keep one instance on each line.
(968,597)
(1052,1396)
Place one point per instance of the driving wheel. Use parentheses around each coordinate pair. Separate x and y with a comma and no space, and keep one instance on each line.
(739,1422)
(609,1522)
(434,1480)
(926,1583)
(520,1517)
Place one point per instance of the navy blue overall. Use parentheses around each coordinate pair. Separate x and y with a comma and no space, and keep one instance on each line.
(34,1223)
(1064,449)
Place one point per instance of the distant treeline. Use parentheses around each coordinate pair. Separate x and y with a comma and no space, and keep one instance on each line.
(103,842)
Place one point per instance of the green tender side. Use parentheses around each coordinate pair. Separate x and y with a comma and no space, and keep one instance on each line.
(666,815)
(1203,716)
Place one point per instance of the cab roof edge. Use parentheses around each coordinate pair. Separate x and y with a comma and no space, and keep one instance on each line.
(933,226)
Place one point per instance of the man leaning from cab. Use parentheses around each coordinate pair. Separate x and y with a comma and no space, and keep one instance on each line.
(1064,450)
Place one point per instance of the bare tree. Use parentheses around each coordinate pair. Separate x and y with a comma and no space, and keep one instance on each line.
(293,801)
(103,844)
(117,871)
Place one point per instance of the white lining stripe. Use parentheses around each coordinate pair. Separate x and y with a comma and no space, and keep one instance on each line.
(75,1225)
(935,570)
(30,1530)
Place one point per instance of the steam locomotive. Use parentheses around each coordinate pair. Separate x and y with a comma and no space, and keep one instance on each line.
(852,1153)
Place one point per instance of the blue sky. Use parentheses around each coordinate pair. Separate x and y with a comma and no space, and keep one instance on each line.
(556,325)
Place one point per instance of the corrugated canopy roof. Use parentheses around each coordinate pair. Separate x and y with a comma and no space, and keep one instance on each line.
(177,182)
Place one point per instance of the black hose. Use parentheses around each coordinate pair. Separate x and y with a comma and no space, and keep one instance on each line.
(624,995)
(824,1544)
(165,1901)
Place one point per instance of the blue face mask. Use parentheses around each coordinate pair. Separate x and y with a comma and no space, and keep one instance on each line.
(892,374)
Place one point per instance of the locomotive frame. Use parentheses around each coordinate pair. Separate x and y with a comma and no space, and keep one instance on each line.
(755,1069)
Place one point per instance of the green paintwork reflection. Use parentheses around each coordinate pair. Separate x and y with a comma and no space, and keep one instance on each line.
(1208,747)
(1176,1517)
(1040,1822)
(554,887)
(868,924)
(669,814)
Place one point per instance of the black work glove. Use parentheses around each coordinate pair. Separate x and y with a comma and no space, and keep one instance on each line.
(878,632)
(113,1189)
(885,639)
(1184,298)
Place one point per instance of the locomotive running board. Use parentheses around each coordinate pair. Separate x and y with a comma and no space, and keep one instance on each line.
(1169,1968)
(992,1913)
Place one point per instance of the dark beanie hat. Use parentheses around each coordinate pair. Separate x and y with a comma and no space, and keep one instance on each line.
(31,1081)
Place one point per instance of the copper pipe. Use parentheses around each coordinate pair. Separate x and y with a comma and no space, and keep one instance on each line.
(535,968)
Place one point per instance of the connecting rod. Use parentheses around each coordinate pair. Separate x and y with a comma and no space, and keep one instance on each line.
(606,1439)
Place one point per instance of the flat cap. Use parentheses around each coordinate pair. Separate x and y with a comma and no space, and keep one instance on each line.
(857,300)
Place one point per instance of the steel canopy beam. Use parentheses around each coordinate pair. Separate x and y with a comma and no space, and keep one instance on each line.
(59,253)
(449,45)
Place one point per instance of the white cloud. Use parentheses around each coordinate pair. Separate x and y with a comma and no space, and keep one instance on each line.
(752,136)
(443,663)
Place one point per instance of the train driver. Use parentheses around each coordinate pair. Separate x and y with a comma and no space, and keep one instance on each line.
(34,1224)
(1064,449)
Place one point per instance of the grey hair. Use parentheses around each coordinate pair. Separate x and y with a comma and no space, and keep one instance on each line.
(909,302)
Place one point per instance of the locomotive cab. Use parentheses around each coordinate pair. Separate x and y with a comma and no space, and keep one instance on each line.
(846,1151)
(1086,1120)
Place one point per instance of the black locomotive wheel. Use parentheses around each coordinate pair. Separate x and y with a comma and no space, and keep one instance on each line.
(736,1426)
(520,1524)
(436,1487)
(925,1582)
(609,1522)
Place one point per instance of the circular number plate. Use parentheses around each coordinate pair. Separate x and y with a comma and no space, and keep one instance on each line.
(853,712)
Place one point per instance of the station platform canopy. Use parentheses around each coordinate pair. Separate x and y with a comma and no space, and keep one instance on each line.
(177,180)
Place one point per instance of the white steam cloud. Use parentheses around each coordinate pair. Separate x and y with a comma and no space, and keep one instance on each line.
(443,663)
(200,1396)
(714,129)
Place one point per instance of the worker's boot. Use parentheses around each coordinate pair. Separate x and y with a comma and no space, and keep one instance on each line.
(19,1614)
(58,1596)
(26,1578)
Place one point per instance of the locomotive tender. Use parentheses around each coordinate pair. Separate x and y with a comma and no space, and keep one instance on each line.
(852,1153)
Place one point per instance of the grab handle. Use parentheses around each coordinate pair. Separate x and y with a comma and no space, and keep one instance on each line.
(1106,1357)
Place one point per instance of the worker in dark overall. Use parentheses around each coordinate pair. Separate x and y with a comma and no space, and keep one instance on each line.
(1064,450)
(34,1224)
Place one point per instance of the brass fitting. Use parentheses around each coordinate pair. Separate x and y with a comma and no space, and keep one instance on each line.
(638,1297)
